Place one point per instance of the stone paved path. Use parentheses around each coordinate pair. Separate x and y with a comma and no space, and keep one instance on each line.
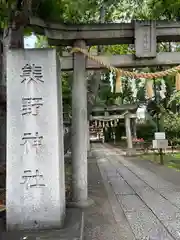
(150,204)
(100,223)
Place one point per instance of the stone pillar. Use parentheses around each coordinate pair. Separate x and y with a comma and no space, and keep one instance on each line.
(88,139)
(35,197)
(2,130)
(128,132)
(79,128)
(2,104)
(134,127)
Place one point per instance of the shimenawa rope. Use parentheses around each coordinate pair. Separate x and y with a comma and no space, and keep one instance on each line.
(171,71)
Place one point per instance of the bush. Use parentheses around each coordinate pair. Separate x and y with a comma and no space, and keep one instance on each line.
(120,131)
(172,128)
(146,131)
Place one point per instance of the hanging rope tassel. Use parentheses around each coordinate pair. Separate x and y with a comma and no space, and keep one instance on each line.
(178,81)
(149,88)
(118,83)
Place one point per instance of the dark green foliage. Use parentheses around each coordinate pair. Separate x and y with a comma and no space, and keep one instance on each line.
(48,9)
(141,95)
(146,131)
(153,108)
(119,131)
(127,91)
(105,95)
(172,126)
(66,90)
(168,9)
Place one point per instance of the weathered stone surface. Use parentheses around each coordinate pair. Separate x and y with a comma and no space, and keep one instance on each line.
(162,207)
(112,173)
(128,133)
(125,61)
(142,221)
(144,224)
(100,221)
(150,214)
(145,39)
(100,34)
(123,225)
(3,138)
(165,188)
(72,230)
(130,203)
(79,128)
(174,228)
(121,187)
(173,198)
(35,153)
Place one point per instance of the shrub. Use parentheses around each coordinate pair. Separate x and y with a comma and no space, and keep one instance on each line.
(145,131)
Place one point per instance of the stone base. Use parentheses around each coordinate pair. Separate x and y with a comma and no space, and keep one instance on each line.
(73,229)
(89,154)
(81,204)
(130,152)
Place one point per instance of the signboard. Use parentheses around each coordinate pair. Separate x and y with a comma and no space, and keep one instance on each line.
(160,143)
(160,135)
(145,39)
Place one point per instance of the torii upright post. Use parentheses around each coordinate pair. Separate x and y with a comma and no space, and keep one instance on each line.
(88,140)
(79,128)
(128,135)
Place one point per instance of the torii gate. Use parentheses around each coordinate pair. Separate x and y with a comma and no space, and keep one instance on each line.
(113,113)
(144,34)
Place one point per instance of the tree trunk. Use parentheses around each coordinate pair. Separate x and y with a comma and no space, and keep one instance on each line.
(93,90)
(95,80)
(13,37)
